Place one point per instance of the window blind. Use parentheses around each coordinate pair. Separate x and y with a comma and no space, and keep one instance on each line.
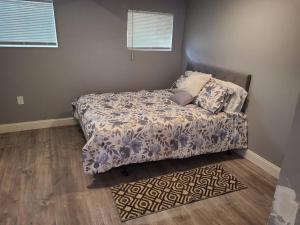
(149,30)
(27,23)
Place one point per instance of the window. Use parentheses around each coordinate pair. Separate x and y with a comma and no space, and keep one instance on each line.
(149,31)
(27,23)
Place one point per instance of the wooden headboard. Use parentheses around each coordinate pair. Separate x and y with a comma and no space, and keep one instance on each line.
(240,79)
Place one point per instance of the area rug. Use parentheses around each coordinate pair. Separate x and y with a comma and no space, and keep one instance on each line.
(156,194)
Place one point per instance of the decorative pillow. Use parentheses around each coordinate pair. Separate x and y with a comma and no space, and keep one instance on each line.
(188,73)
(213,96)
(182,98)
(193,84)
(237,99)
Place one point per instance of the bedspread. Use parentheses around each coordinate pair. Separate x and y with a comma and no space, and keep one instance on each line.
(135,127)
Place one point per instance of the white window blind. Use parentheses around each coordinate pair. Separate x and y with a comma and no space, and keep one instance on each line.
(27,23)
(149,31)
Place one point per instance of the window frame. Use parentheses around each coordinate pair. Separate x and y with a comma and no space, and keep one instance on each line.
(154,49)
(29,44)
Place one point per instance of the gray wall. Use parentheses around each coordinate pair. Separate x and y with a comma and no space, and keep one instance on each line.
(287,195)
(92,56)
(260,37)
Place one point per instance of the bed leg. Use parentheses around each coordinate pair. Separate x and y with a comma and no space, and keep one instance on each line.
(125,173)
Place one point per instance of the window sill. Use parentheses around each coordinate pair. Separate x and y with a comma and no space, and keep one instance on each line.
(150,49)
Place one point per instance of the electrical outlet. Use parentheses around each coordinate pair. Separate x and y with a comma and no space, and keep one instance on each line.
(20,100)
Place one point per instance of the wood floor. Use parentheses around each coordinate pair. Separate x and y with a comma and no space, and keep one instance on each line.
(42,182)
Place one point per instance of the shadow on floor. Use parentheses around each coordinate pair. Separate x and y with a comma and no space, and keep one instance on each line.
(135,172)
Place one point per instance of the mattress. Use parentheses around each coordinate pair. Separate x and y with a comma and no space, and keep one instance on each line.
(135,127)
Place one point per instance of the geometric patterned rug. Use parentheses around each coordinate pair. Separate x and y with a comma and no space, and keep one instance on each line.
(156,194)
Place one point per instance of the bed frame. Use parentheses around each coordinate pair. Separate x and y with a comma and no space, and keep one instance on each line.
(240,79)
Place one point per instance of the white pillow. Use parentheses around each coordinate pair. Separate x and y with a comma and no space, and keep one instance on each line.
(237,99)
(193,84)
(182,78)
(189,73)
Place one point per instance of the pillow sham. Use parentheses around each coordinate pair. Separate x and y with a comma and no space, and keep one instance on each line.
(182,98)
(213,96)
(237,99)
(193,84)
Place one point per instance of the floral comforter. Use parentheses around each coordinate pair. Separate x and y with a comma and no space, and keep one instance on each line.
(135,127)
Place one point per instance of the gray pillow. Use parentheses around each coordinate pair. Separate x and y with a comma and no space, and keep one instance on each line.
(182,98)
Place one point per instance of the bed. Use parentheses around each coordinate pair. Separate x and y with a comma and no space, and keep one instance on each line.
(135,127)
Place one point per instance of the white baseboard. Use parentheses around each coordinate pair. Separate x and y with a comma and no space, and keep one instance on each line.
(261,162)
(39,124)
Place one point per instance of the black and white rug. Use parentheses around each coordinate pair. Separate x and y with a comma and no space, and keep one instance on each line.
(156,194)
